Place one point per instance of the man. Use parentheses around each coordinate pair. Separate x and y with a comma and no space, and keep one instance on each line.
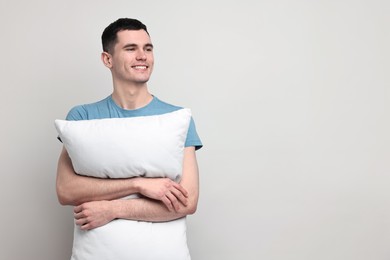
(128,53)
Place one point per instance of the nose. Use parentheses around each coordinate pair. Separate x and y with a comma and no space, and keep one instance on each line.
(141,55)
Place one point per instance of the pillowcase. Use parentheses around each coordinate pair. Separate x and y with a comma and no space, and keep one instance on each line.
(147,146)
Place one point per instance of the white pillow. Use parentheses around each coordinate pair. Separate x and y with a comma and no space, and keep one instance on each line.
(150,146)
(147,146)
(127,239)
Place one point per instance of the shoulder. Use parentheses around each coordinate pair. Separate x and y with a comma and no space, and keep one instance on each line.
(77,113)
(192,135)
(164,107)
(86,111)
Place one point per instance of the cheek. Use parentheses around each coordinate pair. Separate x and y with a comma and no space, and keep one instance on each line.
(151,63)
(151,58)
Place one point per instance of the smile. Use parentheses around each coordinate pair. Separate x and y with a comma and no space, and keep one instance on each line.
(140,67)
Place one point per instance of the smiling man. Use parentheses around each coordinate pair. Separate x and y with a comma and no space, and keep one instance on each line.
(162,202)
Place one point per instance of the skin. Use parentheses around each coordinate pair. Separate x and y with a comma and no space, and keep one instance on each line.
(97,201)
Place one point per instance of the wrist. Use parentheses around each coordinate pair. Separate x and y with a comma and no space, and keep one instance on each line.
(136,183)
(116,209)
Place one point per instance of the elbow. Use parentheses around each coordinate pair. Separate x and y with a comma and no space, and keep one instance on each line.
(62,198)
(191,208)
(66,180)
(67,200)
(193,205)
(63,201)
(65,197)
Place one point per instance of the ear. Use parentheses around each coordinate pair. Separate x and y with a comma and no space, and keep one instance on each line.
(106,58)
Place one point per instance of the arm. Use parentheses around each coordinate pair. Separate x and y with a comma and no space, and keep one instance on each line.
(95,214)
(74,189)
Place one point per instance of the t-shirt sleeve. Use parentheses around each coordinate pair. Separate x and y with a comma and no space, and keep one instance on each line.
(192,137)
(77,113)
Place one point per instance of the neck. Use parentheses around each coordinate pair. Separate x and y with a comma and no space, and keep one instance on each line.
(131,96)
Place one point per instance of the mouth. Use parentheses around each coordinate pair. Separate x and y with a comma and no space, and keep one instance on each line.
(140,67)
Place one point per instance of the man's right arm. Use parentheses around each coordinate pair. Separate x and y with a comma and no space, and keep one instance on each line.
(74,189)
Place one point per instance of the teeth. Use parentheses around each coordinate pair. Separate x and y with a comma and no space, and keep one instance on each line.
(140,67)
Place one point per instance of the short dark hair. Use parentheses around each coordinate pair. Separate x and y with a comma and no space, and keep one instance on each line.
(109,36)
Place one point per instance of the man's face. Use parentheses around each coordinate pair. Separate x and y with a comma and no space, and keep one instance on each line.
(132,58)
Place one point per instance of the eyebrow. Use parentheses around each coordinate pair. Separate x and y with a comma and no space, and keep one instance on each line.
(135,45)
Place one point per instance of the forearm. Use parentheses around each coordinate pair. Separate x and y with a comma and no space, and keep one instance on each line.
(73,189)
(165,204)
(84,189)
(145,209)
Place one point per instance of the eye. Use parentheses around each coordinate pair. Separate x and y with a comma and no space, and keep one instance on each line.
(149,49)
(130,49)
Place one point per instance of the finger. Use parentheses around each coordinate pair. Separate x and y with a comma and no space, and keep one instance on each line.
(87,226)
(77,209)
(81,222)
(167,203)
(79,215)
(181,189)
(180,196)
(173,200)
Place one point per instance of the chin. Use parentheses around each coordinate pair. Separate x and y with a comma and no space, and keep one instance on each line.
(143,81)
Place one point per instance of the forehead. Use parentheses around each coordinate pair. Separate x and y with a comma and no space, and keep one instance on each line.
(139,37)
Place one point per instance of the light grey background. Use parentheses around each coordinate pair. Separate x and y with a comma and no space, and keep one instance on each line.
(291,99)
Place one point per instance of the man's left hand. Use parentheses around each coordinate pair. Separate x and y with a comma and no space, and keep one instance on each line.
(93,214)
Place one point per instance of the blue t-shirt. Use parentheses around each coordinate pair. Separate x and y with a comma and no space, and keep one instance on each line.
(107,108)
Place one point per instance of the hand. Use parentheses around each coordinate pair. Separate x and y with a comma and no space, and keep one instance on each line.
(93,214)
(165,190)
